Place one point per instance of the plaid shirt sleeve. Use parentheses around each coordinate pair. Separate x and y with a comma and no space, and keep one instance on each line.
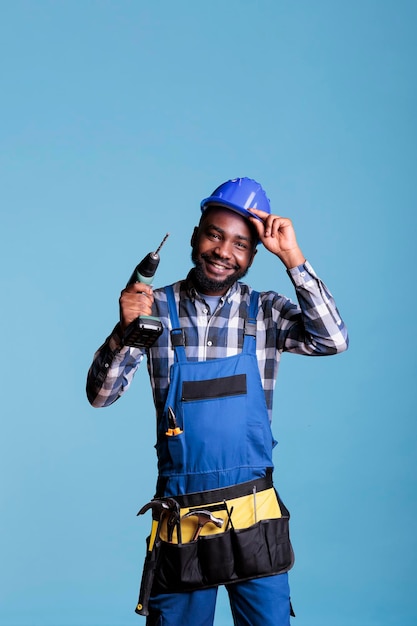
(315,328)
(311,327)
(112,370)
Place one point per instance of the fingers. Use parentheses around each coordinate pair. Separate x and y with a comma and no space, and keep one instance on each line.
(261,214)
(274,225)
(141,288)
(271,225)
(258,221)
(137,299)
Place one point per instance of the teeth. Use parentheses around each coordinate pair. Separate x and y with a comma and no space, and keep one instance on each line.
(221,267)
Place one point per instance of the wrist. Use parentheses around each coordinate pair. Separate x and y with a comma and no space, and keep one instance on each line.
(292,258)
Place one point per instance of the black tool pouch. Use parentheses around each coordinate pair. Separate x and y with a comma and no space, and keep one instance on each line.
(235,555)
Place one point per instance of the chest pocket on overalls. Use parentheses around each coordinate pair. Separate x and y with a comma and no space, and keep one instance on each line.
(215,430)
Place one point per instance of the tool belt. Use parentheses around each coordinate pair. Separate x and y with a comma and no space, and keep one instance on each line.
(249,538)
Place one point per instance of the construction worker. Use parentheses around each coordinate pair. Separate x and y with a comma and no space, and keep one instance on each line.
(218,518)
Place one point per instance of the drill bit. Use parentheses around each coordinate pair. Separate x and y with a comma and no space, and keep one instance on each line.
(161,244)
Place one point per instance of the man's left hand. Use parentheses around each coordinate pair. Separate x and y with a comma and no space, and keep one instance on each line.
(278,236)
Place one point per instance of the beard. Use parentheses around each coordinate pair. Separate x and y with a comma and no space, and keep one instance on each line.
(207,285)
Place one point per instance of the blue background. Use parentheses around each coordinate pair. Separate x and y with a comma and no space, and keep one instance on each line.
(117,118)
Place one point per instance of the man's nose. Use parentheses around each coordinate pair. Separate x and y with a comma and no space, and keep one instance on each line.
(223,250)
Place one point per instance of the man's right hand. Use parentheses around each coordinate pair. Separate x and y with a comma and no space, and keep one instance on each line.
(135,300)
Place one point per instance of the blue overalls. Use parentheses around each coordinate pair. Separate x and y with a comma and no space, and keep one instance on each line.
(216,434)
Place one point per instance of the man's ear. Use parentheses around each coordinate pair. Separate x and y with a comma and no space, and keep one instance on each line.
(194,236)
(253,256)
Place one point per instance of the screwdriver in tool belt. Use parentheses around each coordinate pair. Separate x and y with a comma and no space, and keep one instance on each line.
(173,428)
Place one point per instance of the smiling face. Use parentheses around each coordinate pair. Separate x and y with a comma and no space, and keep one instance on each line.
(224,246)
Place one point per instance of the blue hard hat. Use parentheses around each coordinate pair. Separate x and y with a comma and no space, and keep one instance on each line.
(239,194)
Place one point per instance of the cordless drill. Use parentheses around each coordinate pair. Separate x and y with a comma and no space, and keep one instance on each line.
(145,329)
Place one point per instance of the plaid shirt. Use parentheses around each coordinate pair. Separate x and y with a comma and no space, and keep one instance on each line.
(313,328)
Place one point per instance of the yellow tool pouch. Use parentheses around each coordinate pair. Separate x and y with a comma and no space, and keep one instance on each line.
(253,540)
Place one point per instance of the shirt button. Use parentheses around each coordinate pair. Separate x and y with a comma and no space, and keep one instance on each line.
(205,310)
(302,273)
(209,343)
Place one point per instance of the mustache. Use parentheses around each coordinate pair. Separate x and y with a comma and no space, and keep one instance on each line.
(217,259)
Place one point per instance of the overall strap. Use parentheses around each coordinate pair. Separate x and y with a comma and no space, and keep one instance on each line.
(249,340)
(177,334)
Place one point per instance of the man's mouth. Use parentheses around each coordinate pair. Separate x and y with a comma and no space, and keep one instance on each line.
(217,266)
(214,275)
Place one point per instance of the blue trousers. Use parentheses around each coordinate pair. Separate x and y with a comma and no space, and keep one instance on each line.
(257,602)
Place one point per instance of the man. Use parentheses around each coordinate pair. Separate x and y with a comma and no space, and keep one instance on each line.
(213,372)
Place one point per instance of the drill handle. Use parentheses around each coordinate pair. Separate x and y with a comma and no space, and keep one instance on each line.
(144,330)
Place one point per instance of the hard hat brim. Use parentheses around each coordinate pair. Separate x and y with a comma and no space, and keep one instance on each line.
(215,201)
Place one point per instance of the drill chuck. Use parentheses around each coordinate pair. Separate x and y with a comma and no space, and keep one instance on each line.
(145,271)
